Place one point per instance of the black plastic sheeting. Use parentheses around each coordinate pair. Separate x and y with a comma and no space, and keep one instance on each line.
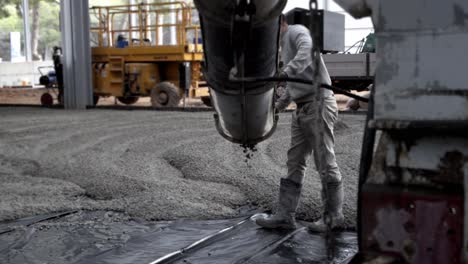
(106,237)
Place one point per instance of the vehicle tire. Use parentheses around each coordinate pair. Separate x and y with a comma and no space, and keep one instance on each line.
(207,101)
(128,100)
(47,99)
(165,94)
(44,80)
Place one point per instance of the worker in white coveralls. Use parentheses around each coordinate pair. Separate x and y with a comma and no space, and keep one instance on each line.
(296,46)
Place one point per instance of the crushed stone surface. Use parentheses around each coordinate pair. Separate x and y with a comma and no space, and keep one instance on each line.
(152,165)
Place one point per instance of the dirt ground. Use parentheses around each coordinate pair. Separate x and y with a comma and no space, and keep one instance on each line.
(32,96)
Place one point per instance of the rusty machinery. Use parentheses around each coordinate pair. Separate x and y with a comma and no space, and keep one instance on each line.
(411,201)
(412,188)
(147,50)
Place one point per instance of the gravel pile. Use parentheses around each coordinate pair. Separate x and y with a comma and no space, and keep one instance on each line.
(149,164)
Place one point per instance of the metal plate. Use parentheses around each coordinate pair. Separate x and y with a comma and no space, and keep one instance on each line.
(420,226)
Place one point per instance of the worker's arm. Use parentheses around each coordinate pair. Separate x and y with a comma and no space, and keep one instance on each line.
(303,58)
(283,101)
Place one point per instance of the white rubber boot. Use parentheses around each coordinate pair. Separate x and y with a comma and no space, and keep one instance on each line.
(284,217)
(334,208)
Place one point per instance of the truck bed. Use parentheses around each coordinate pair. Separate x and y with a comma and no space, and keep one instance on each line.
(351,71)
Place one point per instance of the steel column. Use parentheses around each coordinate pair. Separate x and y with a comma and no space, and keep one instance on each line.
(78,92)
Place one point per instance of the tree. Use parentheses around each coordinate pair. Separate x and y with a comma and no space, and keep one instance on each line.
(34,8)
(49,26)
(3,10)
(35,26)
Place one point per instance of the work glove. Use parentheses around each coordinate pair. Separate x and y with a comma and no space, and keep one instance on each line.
(281,84)
(279,92)
(283,98)
(282,74)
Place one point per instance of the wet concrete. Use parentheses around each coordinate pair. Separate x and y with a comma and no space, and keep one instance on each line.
(151,165)
(127,169)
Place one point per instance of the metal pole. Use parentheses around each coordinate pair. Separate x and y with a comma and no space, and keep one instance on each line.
(134,19)
(173,29)
(78,91)
(27,31)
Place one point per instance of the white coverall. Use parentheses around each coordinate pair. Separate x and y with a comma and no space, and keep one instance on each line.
(296,45)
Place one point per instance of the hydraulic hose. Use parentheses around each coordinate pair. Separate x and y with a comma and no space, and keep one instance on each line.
(298,80)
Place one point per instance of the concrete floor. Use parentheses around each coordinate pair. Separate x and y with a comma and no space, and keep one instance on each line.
(151,165)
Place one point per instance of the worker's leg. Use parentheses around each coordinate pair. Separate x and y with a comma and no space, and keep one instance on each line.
(330,176)
(290,187)
(299,150)
(330,172)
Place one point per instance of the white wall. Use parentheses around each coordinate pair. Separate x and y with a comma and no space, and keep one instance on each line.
(13,73)
(356,29)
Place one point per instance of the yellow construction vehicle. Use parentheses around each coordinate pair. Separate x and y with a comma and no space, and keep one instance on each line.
(147,50)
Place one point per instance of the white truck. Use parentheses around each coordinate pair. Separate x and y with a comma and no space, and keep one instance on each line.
(351,71)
